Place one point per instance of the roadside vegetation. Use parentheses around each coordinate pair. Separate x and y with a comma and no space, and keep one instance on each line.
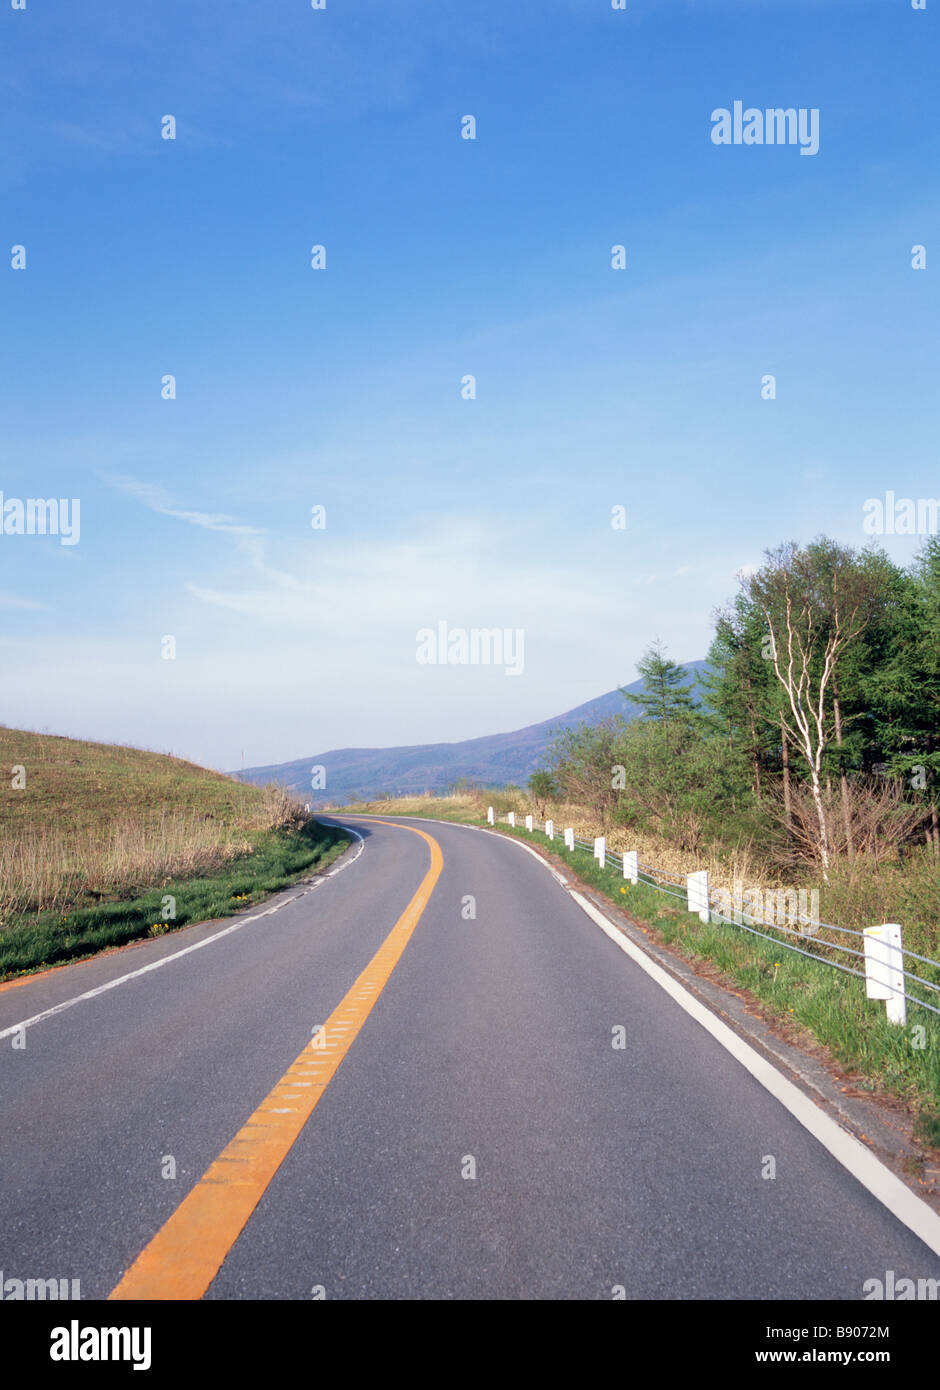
(814,1004)
(101,845)
(807,758)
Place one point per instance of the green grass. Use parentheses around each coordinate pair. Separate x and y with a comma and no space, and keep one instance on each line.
(279,858)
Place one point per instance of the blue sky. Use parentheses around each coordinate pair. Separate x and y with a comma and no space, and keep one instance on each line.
(595,387)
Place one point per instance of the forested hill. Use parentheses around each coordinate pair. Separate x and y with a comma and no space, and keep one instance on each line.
(492,760)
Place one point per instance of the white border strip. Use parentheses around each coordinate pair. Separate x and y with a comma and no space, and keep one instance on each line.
(343,863)
(890,1191)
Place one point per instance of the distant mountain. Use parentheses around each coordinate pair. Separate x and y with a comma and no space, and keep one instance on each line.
(490,761)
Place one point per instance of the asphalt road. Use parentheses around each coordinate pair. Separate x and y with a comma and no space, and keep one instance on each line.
(489,1051)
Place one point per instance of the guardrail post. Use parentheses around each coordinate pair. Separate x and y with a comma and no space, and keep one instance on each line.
(512,818)
(528,822)
(550,829)
(600,849)
(569,838)
(884,967)
(490,818)
(697,893)
(630,867)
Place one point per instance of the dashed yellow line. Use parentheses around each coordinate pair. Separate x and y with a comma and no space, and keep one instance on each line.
(188,1251)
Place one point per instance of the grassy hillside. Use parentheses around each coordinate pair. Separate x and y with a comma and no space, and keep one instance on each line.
(94,837)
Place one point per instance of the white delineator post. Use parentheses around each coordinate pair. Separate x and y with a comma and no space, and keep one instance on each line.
(630,866)
(550,829)
(569,837)
(528,822)
(697,892)
(884,969)
(512,818)
(490,818)
(600,849)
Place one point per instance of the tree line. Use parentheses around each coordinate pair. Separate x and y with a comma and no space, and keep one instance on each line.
(814,731)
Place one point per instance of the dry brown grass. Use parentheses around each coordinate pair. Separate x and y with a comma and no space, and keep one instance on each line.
(96,821)
(462,803)
(742,865)
(47,868)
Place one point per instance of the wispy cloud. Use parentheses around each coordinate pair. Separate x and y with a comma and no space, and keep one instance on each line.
(158,500)
(457,567)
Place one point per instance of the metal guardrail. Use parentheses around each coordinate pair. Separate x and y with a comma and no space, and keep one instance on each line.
(668,883)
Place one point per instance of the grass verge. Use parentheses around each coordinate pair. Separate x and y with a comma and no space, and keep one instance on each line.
(278,858)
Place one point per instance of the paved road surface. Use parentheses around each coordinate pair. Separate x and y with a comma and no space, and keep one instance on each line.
(490,1047)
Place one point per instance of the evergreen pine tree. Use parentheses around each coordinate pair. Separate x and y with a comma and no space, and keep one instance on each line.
(667,693)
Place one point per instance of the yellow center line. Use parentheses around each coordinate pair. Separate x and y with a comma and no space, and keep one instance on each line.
(188,1251)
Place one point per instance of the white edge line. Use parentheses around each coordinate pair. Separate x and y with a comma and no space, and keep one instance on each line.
(912,1211)
(849,1151)
(176,955)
